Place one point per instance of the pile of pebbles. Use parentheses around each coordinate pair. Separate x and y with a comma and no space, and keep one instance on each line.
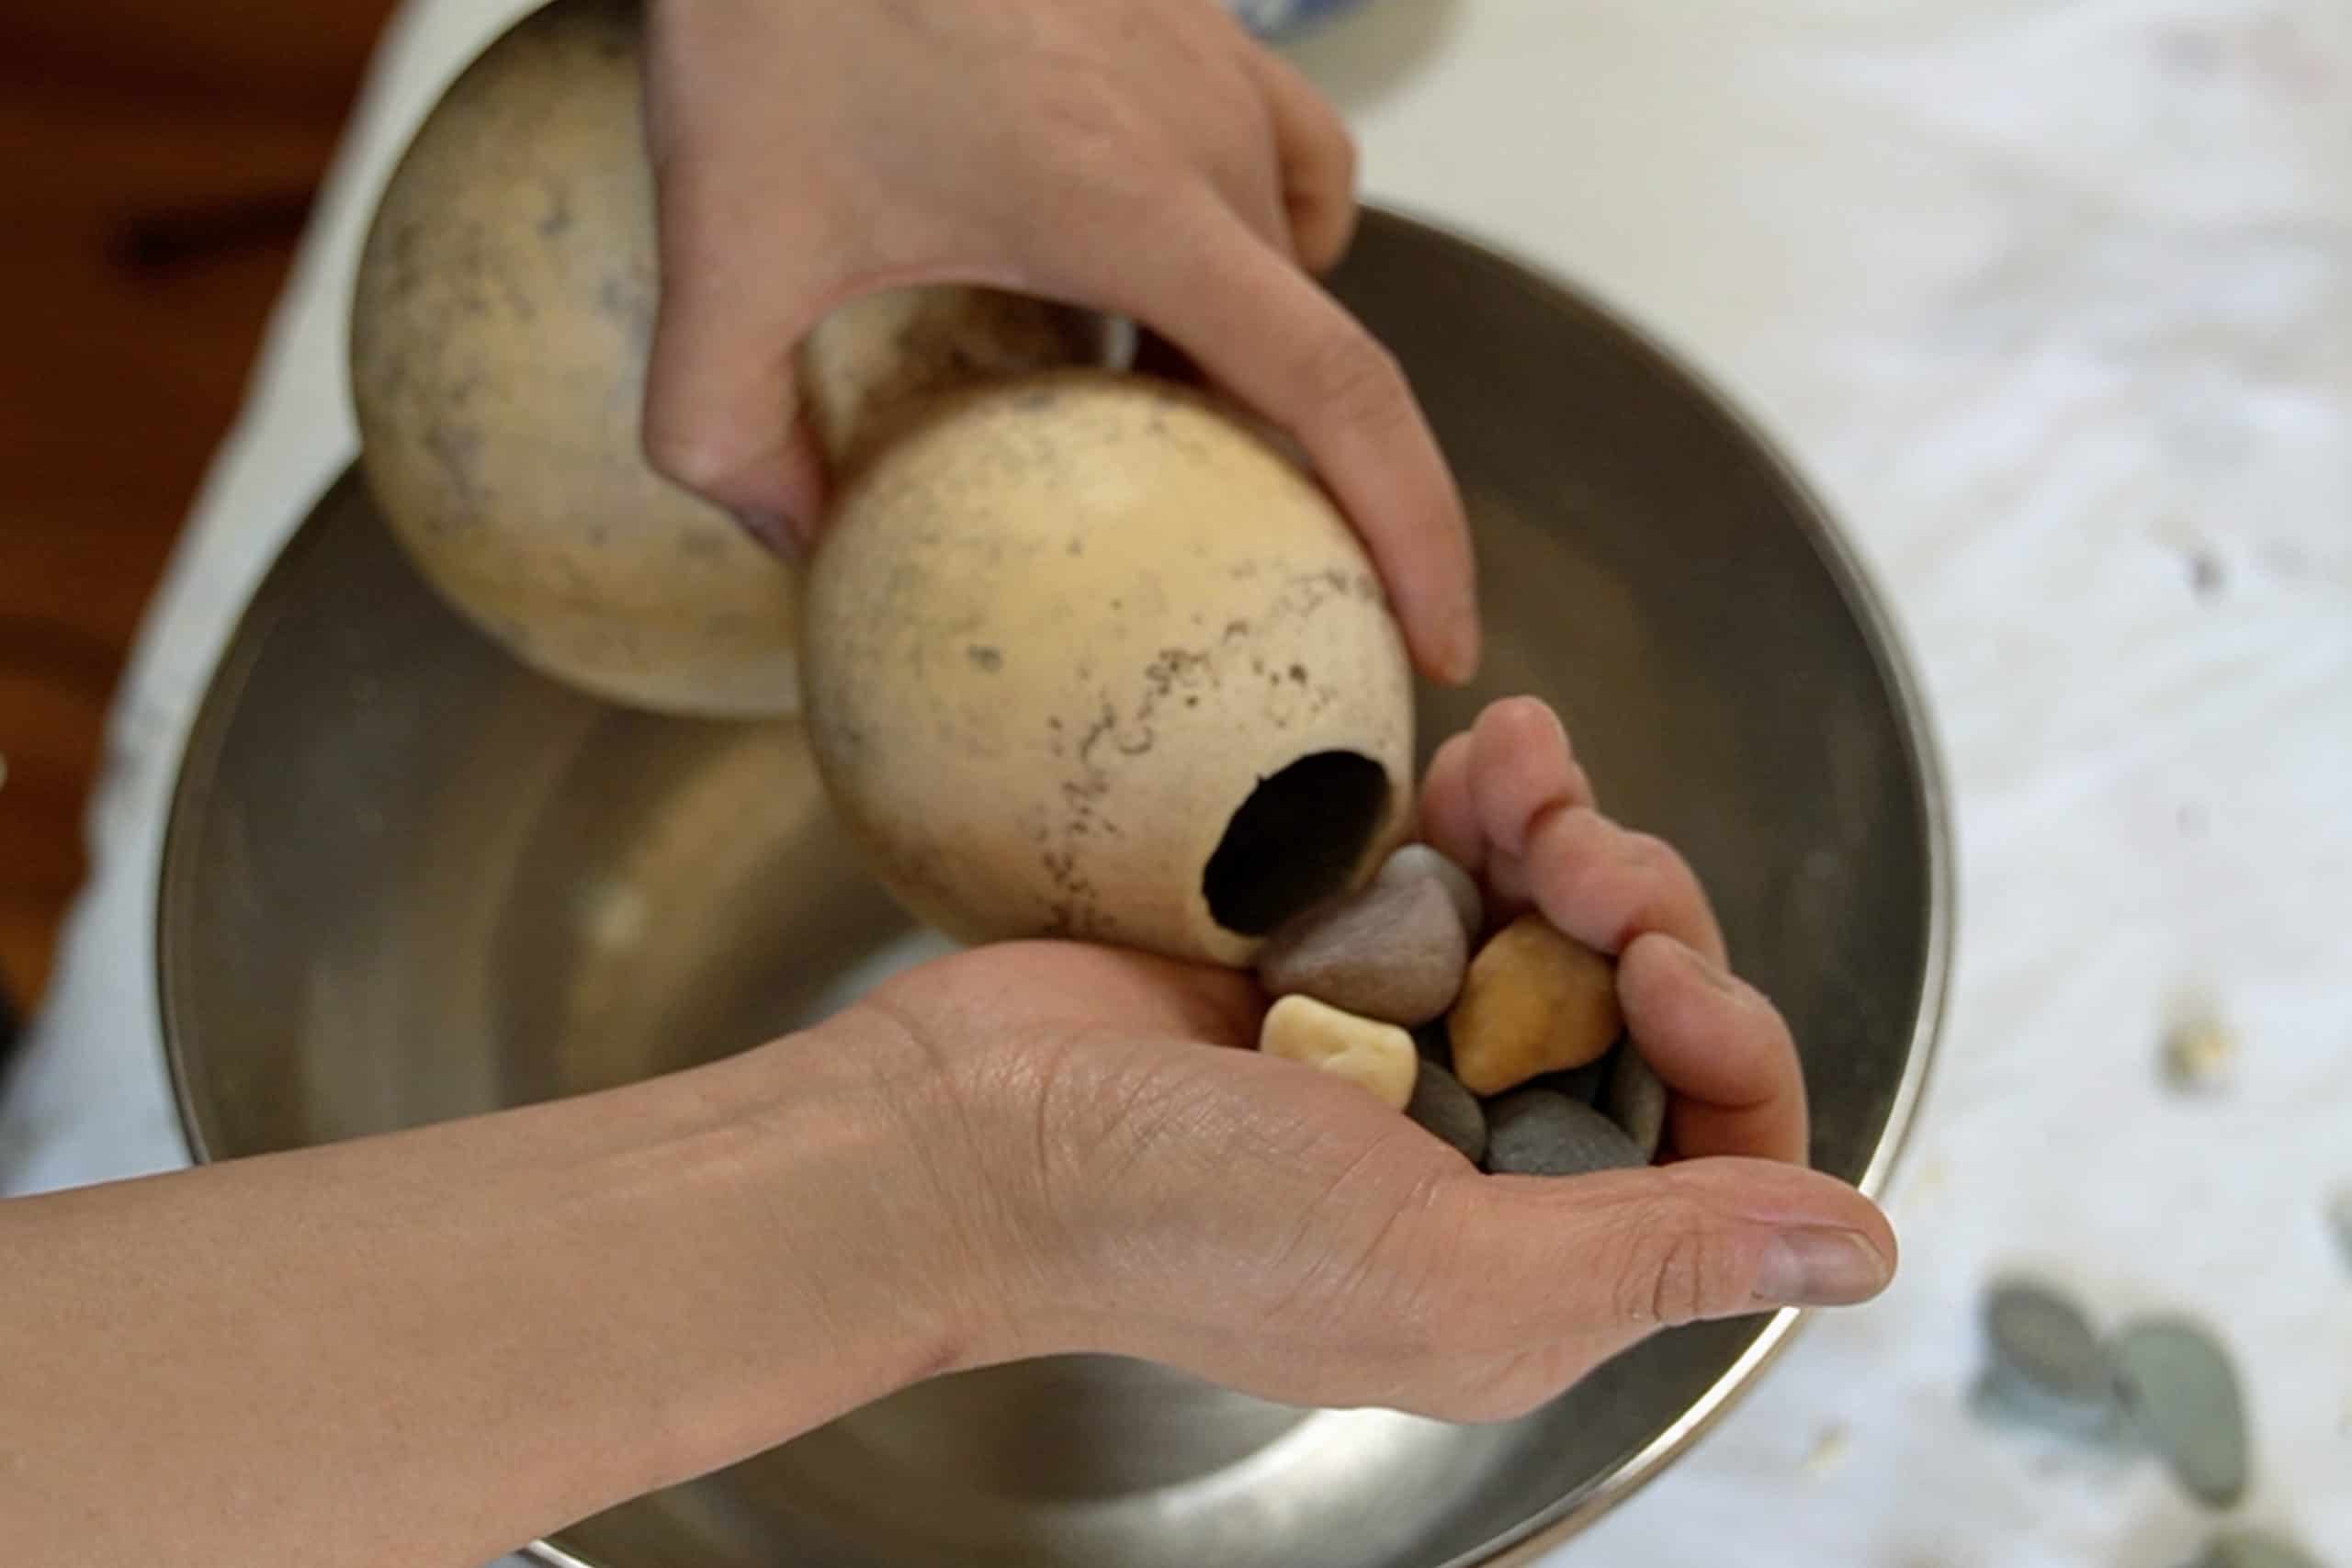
(1511,1048)
(2159,1384)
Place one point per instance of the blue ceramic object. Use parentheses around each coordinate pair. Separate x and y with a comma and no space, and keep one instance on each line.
(1280,19)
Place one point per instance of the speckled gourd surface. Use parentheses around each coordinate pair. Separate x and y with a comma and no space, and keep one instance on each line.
(1086,656)
(500,320)
(1082,653)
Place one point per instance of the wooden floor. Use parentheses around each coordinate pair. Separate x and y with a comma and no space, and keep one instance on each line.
(156,162)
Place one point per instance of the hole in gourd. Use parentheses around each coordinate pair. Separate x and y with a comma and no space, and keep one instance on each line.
(1296,841)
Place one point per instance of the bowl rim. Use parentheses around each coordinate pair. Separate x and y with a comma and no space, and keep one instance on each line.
(1871,607)
(1865,598)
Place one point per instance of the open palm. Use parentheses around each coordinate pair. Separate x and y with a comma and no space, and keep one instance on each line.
(1124,1186)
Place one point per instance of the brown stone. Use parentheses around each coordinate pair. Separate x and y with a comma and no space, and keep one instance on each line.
(1394,951)
(1534,1002)
(1416,862)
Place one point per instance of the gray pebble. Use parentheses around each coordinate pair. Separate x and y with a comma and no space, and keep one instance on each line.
(1417,862)
(1582,1084)
(2045,1344)
(2001,1397)
(1635,1098)
(1535,1132)
(2252,1548)
(1442,1106)
(1393,952)
(2182,1392)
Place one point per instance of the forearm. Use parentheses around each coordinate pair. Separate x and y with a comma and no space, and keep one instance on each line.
(426,1348)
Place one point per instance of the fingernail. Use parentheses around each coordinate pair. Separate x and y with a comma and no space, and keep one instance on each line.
(1707,969)
(1820,1268)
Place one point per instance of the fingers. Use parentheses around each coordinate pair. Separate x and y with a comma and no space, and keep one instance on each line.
(1722,1049)
(1625,1252)
(1264,331)
(1547,845)
(1450,808)
(1605,885)
(1521,774)
(1508,800)
(1317,158)
(722,413)
(1524,770)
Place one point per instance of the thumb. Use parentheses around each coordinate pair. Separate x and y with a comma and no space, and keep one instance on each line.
(1634,1250)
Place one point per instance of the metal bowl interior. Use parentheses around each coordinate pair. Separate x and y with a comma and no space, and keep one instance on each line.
(408,879)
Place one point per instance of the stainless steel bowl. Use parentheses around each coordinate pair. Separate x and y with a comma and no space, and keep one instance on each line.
(407,879)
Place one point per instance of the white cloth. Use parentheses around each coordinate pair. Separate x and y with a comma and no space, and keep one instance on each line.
(2054,301)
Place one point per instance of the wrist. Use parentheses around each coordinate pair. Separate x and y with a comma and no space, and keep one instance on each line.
(936,1232)
(806,1276)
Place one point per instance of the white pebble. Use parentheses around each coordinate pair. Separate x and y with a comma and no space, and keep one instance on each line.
(1378,1055)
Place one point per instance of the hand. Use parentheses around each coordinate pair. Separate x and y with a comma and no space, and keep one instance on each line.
(1143,158)
(1114,1186)
(1021,1150)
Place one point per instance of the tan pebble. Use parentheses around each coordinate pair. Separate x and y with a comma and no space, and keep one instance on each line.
(1378,1055)
(2197,1056)
(1535,1002)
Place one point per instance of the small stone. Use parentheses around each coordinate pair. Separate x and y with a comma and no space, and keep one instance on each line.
(1394,951)
(1584,1084)
(1378,1055)
(1535,1002)
(1443,1107)
(2182,1392)
(2205,574)
(1417,863)
(1636,1100)
(1538,1133)
(2252,1548)
(1829,1450)
(2046,1343)
(2339,1222)
(2002,1397)
(2198,1054)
